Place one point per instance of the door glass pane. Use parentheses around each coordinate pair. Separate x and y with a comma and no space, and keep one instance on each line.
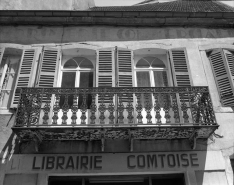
(143,80)
(68,81)
(86,80)
(160,79)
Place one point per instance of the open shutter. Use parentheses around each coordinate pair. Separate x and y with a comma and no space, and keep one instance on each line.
(105,69)
(124,68)
(179,64)
(1,69)
(27,72)
(222,75)
(230,59)
(1,54)
(48,68)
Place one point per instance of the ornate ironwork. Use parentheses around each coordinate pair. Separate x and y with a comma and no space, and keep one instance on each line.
(192,103)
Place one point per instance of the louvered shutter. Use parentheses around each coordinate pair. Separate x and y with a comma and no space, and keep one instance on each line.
(26,73)
(179,65)
(1,55)
(105,68)
(230,61)
(48,68)
(222,73)
(124,68)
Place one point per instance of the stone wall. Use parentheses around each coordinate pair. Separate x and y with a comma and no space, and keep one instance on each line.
(46,4)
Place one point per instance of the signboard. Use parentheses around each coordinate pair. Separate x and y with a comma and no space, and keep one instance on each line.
(113,162)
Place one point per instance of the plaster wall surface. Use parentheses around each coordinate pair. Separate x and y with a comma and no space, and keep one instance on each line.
(46,4)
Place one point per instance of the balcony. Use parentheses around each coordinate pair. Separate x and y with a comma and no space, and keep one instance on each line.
(115,113)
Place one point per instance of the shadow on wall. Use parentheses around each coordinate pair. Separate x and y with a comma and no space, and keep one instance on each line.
(9,142)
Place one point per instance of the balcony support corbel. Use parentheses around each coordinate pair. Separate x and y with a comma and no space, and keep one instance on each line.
(130,141)
(102,141)
(193,140)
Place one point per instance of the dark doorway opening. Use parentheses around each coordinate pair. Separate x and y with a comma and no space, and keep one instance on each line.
(162,179)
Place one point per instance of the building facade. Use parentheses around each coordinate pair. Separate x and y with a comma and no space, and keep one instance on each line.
(141,94)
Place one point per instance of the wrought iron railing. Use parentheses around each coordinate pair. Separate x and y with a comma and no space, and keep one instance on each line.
(114,106)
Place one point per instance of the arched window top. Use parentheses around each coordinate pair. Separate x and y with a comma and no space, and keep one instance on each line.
(153,62)
(76,62)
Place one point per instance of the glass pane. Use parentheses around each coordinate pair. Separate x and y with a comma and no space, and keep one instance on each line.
(86,80)
(71,64)
(157,63)
(68,81)
(143,80)
(142,64)
(160,79)
(86,64)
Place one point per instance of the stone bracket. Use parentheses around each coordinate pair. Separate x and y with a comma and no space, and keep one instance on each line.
(193,140)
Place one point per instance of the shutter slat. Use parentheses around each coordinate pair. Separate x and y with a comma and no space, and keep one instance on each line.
(222,72)
(180,67)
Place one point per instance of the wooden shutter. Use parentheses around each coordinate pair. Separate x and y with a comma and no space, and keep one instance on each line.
(124,68)
(27,72)
(1,54)
(179,65)
(105,68)
(224,80)
(48,68)
(230,61)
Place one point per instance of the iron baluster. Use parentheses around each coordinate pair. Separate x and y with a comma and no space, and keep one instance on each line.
(111,109)
(148,108)
(157,107)
(74,109)
(175,108)
(56,109)
(102,109)
(120,109)
(93,109)
(139,108)
(130,108)
(166,107)
(83,109)
(46,109)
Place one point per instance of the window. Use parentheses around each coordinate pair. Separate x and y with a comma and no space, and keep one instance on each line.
(77,72)
(222,62)
(8,72)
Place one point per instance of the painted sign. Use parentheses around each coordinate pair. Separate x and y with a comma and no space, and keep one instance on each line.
(95,162)
(35,34)
(113,162)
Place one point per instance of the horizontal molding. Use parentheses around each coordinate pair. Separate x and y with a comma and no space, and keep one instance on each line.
(116,21)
